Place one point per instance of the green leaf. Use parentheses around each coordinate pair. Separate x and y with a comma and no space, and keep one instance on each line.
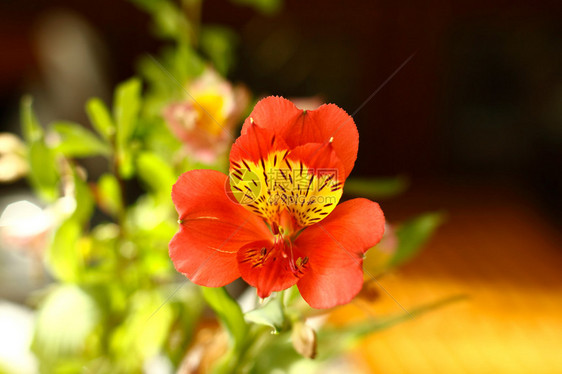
(376,187)
(76,141)
(144,331)
(84,199)
(228,311)
(413,234)
(109,194)
(271,314)
(186,64)
(43,175)
(32,130)
(168,20)
(65,320)
(268,7)
(100,118)
(219,43)
(126,109)
(63,257)
(157,174)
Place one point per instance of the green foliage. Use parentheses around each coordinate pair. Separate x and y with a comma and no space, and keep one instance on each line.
(109,195)
(32,130)
(76,141)
(271,314)
(228,311)
(219,44)
(100,118)
(143,331)
(376,188)
(413,234)
(156,174)
(63,258)
(264,6)
(43,176)
(126,106)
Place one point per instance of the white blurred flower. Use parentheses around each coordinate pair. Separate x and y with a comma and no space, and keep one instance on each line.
(13,164)
(25,226)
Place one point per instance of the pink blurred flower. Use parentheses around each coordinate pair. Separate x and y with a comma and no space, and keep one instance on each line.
(205,121)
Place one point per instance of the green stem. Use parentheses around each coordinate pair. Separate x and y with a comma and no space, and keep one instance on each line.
(192,10)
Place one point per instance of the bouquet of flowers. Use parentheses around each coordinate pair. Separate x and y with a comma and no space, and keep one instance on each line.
(183,196)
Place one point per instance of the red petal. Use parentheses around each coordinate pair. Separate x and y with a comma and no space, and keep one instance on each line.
(299,127)
(255,144)
(274,113)
(267,267)
(320,157)
(212,229)
(335,249)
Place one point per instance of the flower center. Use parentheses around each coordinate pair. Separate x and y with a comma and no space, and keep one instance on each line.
(285,191)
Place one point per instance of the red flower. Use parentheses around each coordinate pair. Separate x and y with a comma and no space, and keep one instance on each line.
(277,224)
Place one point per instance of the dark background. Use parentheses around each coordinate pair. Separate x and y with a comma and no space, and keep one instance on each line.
(479,101)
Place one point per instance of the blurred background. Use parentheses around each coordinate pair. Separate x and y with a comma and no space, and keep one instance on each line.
(467,105)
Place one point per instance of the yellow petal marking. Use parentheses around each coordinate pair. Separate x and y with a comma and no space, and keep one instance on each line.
(277,183)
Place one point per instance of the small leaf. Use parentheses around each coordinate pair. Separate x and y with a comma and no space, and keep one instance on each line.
(156,173)
(63,257)
(186,63)
(376,187)
(43,175)
(84,199)
(268,7)
(169,22)
(144,330)
(413,234)
(109,194)
(271,314)
(76,141)
(219,43)
(100,118)
(32,130)
(125,111)
(228,311)
(126,108)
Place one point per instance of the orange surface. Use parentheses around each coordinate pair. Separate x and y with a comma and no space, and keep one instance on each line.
(496,248)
